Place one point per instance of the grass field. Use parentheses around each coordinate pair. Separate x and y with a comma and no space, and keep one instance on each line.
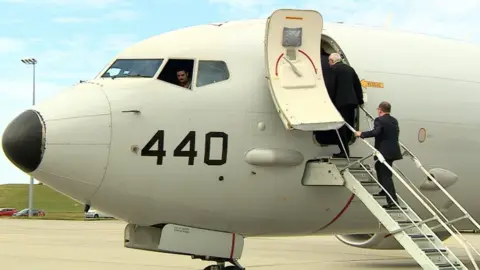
(55,205)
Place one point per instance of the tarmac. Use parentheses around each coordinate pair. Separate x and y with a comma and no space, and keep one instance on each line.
(92,245)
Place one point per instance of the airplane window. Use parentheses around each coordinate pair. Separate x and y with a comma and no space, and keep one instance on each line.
(212,72)
(178,72)
(133,68)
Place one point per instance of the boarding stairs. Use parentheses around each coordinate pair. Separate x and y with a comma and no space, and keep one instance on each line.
(413,233)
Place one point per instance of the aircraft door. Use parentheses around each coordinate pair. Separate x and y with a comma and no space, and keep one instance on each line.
(292,58)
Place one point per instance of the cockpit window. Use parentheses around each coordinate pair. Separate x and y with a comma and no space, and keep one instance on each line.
(178,72)
(211,72)
(145,68)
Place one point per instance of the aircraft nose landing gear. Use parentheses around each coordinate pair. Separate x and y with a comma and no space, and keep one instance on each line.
(221,266)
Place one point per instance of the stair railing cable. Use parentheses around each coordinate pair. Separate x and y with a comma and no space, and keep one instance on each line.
(382,160)
(418,165)
(448,222)
(417,162)
(430,177)
(397,204)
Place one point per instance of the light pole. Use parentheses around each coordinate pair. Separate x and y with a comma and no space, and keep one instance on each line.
(33,62)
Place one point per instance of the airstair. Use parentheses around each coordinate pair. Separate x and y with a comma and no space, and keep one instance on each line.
(292,61)
(413,233)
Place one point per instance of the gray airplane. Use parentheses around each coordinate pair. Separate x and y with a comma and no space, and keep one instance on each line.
(204,136)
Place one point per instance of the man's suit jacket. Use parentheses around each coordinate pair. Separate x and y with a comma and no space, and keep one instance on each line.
(386,132)
(346,85)
(327,74)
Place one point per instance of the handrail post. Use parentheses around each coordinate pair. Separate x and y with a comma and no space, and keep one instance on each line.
(419,165)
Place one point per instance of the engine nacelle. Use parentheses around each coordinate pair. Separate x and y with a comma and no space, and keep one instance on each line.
(378,240)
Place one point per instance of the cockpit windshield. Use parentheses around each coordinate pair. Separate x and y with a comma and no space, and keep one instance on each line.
(145,68)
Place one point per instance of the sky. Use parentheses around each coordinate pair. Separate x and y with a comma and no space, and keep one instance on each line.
(74,39)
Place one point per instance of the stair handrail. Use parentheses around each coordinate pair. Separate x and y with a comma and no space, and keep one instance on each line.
(429,209)
(430,177)
(417,190)
(414,224)
(417,161)
(438,211)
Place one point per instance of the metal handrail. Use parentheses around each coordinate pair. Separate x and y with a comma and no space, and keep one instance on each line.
(382,160)
(414,224)
(450,222)
(430,177)
(439,212)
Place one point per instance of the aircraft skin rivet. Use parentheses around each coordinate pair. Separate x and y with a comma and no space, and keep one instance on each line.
(134,148)
(261,126)
(220,178)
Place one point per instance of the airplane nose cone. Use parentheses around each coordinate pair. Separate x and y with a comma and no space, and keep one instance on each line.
(23,141)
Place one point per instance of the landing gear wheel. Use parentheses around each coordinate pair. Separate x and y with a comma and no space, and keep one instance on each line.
(221,266)
(236,265)
(217,267)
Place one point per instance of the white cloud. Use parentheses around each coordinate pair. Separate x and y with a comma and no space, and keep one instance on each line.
(8,45)
(118,15)
(9,22)
(116,43)
(74,20)
(77,57)
(454,19)
(122,15)
(19,90)
(242,4)
(89,3)
(78,3)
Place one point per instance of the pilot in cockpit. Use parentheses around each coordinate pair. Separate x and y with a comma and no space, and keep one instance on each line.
(183,79)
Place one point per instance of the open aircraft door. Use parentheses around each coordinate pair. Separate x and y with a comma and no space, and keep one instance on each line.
(292,56)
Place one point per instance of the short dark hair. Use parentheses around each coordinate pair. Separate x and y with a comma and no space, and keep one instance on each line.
(385,107)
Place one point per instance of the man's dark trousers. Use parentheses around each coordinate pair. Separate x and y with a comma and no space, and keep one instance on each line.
(348,114)
(384,176)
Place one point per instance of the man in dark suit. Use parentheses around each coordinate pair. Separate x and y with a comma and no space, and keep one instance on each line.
(327,72)
(386,132)
(347,96)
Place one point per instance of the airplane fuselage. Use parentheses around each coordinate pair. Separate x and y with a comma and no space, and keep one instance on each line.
(95,133)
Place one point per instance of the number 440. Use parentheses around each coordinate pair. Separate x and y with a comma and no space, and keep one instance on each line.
(191,153)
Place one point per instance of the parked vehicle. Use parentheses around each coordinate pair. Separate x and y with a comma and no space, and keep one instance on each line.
(7,212)
(24,213)
(93,213)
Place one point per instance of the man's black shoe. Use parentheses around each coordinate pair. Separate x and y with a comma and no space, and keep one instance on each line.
(340,155)
(390,206)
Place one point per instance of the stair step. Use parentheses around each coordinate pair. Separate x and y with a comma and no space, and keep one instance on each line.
(382,199)
(421,242)
(434,250)
(369,183)
(438,257)
(354,170)
(447,266)
(392,210)
(424,242)
(407,222)
(343,161)
(398,215)
(362,175)
(371,186)
(421,236)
